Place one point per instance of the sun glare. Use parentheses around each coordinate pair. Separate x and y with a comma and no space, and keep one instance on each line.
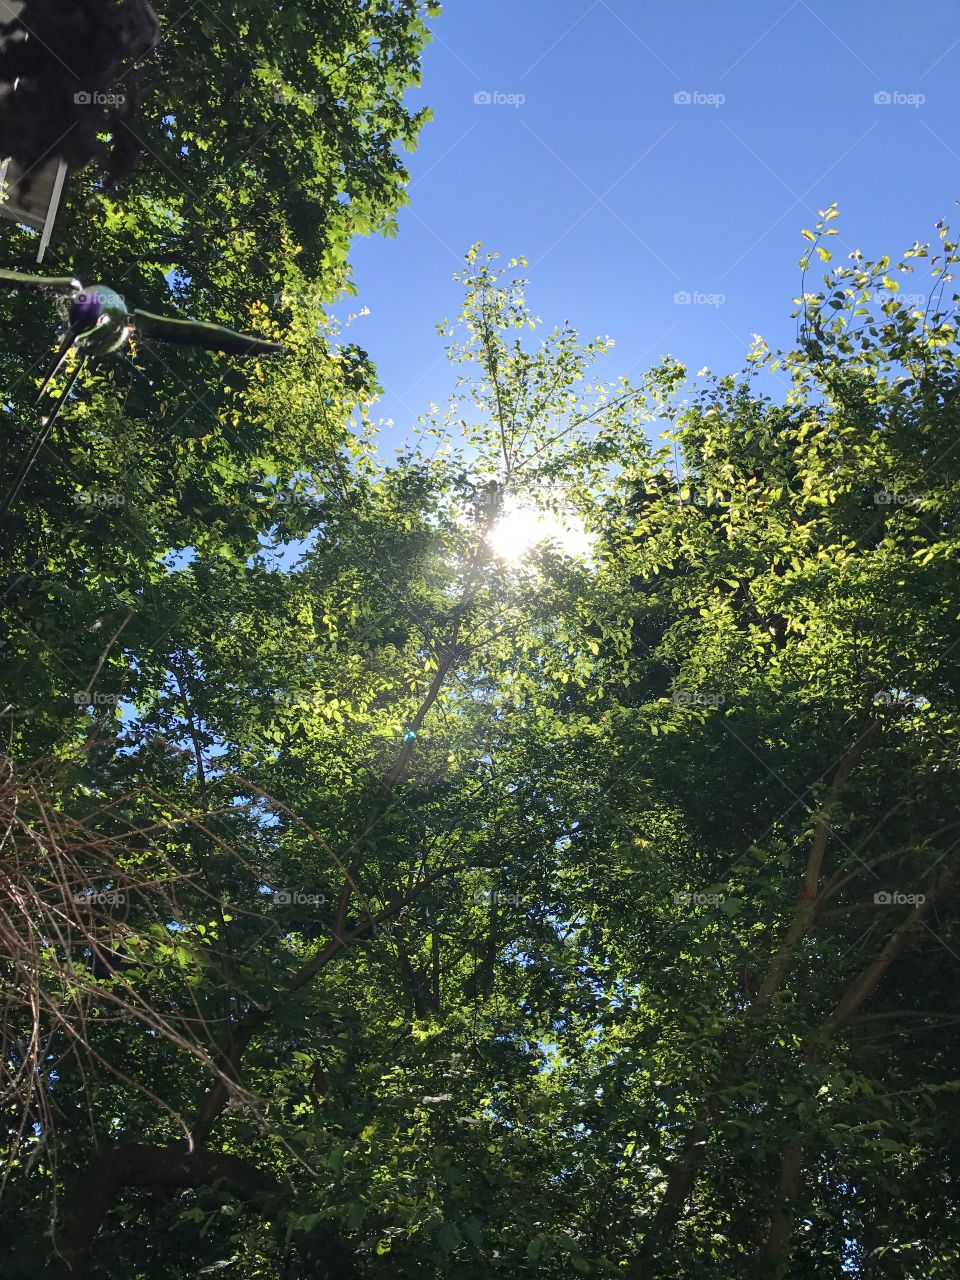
(518,531)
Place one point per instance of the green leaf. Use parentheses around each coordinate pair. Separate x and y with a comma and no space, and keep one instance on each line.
(448,1237)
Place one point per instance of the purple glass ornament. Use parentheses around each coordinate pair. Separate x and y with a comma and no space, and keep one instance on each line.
(85,310)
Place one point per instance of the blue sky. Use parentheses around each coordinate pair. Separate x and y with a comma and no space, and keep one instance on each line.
(622,197)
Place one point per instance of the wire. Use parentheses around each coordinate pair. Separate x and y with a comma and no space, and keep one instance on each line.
(46,426)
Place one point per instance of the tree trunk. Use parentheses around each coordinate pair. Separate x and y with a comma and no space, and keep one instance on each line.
(682,1177)
(155,1168)
(777,1247)
(779,1236)
(675,1196)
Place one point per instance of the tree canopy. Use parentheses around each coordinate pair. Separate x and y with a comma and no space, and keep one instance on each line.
(535,855)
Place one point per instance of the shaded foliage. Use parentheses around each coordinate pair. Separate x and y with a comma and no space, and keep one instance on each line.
(579,907)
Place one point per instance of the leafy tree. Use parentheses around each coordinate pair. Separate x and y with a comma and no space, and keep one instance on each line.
(500,866)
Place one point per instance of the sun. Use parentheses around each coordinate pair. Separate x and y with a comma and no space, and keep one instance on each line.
(522,528)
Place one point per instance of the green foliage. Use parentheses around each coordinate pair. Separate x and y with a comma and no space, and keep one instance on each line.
(477,890)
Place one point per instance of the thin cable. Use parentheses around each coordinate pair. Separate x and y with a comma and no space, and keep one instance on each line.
(45,428)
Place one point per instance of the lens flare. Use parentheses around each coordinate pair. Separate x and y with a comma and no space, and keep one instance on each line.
(522,528)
